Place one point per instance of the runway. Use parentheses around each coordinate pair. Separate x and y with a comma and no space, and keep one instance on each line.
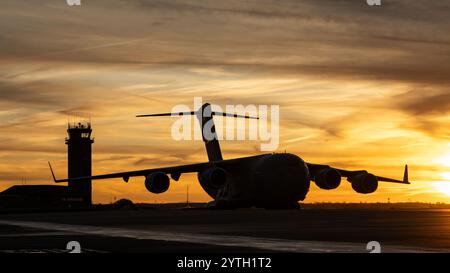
(240,231)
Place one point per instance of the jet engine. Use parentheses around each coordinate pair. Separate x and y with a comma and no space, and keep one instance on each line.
(364,183)
(214,178)
(157,182)
(328,179)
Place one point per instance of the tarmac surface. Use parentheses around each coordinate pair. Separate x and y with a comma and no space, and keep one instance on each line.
(234,231)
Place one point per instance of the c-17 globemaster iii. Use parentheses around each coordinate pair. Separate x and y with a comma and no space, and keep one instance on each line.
(275,180)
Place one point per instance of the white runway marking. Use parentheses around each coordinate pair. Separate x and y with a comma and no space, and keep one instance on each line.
(217,240)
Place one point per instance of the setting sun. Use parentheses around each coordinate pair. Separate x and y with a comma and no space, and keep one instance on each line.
(443,187)
(446,175)
(445,160)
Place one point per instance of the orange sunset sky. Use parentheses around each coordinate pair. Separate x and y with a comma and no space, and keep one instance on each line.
(359,87)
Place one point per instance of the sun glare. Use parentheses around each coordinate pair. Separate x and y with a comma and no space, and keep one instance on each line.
(443,187)
(446,175)
(445,160)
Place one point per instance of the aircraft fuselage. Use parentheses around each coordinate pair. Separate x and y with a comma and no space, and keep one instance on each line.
(268,180)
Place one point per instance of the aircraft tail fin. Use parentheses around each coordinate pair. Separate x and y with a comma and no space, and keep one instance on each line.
(205,117)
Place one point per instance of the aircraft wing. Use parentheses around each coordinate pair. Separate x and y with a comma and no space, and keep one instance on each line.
(315,168)
(174,172)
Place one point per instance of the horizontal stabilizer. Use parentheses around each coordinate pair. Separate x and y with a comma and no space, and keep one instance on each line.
(192,113)
(168,114)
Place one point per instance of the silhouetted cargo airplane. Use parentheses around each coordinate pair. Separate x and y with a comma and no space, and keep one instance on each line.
(267,180)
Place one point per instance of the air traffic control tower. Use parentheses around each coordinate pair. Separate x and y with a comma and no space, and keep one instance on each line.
(79,153)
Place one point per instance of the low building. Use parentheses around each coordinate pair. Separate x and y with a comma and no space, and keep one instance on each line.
(35,196)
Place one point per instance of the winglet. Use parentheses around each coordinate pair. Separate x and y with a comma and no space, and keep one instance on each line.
(51,169)
(405,176)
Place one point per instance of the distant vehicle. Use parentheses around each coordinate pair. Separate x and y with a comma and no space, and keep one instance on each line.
(277,181)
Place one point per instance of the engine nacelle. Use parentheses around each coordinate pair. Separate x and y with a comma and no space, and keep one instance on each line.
(364,183)
(157,182)
(328,179)
(214,178)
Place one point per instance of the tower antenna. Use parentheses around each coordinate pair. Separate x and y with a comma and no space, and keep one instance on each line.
(187,197)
